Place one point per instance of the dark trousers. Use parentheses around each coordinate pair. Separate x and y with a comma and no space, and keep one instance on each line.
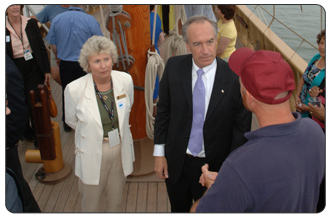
(187,189)
(69,71)
(13,163)
(32,77)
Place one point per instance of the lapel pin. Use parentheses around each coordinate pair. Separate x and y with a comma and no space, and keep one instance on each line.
(222,91)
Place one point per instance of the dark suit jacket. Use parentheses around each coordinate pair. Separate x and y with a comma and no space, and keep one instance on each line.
(226,120)
(15,124)
(37,45)
(17,119)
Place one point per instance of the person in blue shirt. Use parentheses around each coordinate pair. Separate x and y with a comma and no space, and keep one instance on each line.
(47,14)
(159,40)
(67,34)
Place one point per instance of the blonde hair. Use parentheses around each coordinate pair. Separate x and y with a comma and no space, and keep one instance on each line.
(96,45)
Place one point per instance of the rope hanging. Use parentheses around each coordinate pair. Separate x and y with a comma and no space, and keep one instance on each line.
(174,44)
(154,66)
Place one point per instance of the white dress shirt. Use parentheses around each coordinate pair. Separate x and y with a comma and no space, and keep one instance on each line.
(208,80)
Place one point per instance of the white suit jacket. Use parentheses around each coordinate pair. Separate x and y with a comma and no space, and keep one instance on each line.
(83,115)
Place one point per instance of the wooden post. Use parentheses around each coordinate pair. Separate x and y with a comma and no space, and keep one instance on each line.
(138,42)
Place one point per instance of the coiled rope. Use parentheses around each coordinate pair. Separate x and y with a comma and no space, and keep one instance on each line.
(155,65)
(174,44)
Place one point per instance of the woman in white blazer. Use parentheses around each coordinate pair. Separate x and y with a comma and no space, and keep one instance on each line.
(97,107)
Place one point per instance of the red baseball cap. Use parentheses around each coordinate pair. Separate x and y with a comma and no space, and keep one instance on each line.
(264,74)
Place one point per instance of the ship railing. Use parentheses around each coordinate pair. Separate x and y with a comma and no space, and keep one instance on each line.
(254,31)
(255,34)
(260,13)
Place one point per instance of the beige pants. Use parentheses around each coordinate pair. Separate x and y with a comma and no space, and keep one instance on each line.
(112,182)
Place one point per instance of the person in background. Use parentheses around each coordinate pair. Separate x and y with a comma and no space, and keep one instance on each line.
(98,107)
(318,115)
(47,14)
(280,168)
(159,40)
(200,115)
(67,34)
(313,76)
(195,9)
(15,123)
(24,45)
(312,84)
(227,33)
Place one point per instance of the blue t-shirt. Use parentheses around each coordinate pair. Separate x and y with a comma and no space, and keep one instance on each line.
(70,30)
(49,12)
(157,32)
(279,169)
(158,28)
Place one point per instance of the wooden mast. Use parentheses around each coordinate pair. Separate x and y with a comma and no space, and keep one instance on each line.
(138,43)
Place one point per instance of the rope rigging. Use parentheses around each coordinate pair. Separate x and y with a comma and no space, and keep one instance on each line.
(118,21)
(155,65)
(174,45)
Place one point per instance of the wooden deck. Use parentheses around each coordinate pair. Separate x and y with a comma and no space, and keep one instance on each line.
(141,194)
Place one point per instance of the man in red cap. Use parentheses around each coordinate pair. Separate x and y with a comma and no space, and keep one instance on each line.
(281,166)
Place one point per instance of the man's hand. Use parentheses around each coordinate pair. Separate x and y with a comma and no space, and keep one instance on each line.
(207,178)
(161,167)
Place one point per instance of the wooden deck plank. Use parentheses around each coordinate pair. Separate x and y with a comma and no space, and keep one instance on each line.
(37,191)
(67,184)
(125,193)
(131,197)
(152,198)
(77,208)
(42,202)
(72,198)
(161,198)
(142,198)
(54,195)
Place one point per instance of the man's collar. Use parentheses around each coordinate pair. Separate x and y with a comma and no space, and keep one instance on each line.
(206,68)
(76,8)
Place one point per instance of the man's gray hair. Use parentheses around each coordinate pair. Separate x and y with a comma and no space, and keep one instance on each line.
(195,19)
(97,45)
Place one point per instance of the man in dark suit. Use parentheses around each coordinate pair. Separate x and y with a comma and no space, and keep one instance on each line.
(178,125)
(15,124)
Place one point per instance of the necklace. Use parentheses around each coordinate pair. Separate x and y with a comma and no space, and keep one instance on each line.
(104,94)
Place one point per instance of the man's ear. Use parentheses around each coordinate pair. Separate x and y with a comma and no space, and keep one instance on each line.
(250,98)
(188,48)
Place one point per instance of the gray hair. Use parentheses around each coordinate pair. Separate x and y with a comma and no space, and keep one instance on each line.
(197,19)
(96,45)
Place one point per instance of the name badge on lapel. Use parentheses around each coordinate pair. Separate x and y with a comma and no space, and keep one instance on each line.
(113,137)
(121,96)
